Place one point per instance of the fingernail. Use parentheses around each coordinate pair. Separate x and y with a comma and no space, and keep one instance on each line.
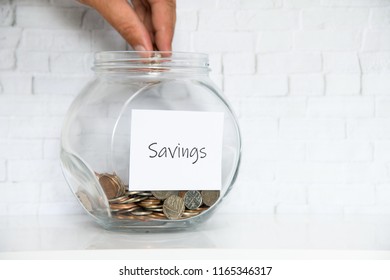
(139,48)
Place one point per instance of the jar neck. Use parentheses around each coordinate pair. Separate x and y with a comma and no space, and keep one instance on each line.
(155,63)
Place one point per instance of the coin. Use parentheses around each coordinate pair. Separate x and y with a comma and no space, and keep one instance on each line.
(112,185)
(141,213)
(83,197)
(173,207)
(163,194)
(210,197)
(192,199)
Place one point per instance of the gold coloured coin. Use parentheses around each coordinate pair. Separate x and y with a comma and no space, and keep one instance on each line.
(210,197)
(173,207)
(162,195)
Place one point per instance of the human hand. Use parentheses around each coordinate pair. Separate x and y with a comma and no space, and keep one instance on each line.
(146,25)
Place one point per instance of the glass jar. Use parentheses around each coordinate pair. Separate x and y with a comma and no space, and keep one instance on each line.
(95,141)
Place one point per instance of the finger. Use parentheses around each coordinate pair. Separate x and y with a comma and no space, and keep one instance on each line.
(163,20)
(123,18)
(142,8)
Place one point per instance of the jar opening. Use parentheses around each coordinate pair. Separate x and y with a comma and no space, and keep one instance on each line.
(150,61)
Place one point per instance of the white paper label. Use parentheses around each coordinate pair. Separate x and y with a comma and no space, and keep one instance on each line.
(175,150)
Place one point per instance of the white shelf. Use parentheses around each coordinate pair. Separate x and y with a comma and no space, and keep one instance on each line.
(42,235)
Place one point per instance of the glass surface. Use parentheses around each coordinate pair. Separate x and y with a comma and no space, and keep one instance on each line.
(96,132)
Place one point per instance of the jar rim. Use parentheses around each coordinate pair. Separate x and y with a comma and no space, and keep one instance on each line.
(157,60)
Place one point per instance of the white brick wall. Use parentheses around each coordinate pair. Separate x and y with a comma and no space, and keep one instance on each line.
(309,79)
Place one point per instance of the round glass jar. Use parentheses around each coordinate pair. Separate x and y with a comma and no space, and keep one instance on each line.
(95,140)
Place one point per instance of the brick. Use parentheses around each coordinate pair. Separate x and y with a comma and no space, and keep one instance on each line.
(354,3)
(21,105)
(267,19)
(9,37)
(16,83)
(69,63)
(3,171)
(368,129)
(307,129)
(383,194)
(377,40)
(6,14)
(257,173)
(307,84)
(274,41)
(341,62)
(92,20)
(4,127)
(32,61)
(7,59)
(330,173)
(182,41)
(340,107)
(187,20)
(343,195)
(336,151)
(20,149)
(34,170)
(380,17)
(275,150)
(55,40)
(48,17)
(59,105)
(51,148)
(382,106)
(375,62)
(215,20)
(376,84)
(342,84)
(286,107)
(289,63)
(265,4)
(247,85)
(224,41)
(265,128)
(327,40)
(323,18)
(20,192)
(299,4)
(59,84)
(291,193)
(56,191)
(103,40)
(318,208)
(215,61)
(291,208)
(239,63)
(35,127)
(228,4)
(196,5)
(217,79)
(382,151)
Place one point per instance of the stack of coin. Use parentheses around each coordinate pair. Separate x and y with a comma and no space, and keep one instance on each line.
(154,205)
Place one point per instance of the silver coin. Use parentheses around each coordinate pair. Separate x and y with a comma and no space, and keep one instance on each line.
(84,199)
(210,197)
(173,207)
(192,199)
(162,195)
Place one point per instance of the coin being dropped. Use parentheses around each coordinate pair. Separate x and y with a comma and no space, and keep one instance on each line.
(210,197)
(192,199)
(173,207)
(163,194)
(83,197)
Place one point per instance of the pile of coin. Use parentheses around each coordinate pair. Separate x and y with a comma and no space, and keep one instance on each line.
(154,205)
